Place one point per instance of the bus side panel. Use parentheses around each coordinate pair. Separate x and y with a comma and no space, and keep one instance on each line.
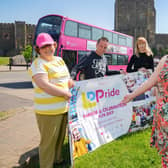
(73,43)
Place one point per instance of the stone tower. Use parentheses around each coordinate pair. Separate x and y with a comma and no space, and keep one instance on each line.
(20,35)
(136,18)
(14,37)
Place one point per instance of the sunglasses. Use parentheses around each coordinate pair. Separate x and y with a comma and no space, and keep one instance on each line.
(45,46)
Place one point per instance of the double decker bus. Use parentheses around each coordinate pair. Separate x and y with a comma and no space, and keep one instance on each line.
(75,39)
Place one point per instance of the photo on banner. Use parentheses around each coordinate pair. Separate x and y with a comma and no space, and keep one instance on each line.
(144,104)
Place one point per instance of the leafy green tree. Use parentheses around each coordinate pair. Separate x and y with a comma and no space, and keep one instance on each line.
(166,51)
(155,52)
(162,51)
(27,53)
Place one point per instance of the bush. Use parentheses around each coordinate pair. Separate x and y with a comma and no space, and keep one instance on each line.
(27,53)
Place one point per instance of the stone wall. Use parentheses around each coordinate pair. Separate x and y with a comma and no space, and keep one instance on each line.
(14,37)
(30,29)
(136,18)
(161,41)
(7,41)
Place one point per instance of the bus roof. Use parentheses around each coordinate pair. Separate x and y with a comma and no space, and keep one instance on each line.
(67,18)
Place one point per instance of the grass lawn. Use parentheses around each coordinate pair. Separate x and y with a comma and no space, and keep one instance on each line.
(4,60)
(128,151)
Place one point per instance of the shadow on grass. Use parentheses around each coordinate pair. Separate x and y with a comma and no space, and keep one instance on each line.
(30,159)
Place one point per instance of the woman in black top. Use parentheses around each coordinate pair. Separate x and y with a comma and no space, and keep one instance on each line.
(143,58)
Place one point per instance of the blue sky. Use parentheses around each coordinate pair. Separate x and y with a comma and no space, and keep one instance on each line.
(99,13)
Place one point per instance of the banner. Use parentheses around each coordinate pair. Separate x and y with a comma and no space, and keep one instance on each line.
(143,105)
(97,116)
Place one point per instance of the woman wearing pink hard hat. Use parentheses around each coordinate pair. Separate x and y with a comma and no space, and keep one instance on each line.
(51,81)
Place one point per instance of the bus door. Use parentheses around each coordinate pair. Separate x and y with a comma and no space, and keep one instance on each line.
(70,58)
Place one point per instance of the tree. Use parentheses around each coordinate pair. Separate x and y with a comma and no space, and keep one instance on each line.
(27,53)
(155,52)
(166,51)
(163,51)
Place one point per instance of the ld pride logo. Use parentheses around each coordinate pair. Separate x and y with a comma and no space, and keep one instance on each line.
(91,98)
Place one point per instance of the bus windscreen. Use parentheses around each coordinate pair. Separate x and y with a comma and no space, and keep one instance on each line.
(51,25)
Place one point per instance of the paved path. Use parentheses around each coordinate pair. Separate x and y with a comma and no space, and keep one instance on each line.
(4,68)
(19,136)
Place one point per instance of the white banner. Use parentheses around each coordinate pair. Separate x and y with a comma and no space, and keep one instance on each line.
(96,115)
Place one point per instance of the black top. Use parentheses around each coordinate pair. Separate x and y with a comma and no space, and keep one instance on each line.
(93,66)
(143,61)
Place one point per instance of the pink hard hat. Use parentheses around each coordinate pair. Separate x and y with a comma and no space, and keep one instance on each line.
(44,39)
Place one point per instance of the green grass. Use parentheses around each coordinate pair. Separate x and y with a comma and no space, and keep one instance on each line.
(5,114)
(129,151)
(2,115)
(4,60)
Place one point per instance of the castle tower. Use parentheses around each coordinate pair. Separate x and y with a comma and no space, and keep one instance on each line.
(20,36)
(136,18)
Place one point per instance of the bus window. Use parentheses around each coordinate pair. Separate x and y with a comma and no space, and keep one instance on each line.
(108,35)
(82,54)
(121,60)
(51,25)
(71,28)
(114,59)
(126,59)
(115,38)
(69,57)
(129,42)
(109,59)
(84,31)
(122,40)
(96,33)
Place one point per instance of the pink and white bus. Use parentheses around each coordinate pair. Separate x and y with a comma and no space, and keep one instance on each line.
(75,39)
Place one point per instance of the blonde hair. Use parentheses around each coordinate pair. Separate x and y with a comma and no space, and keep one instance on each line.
(148,49)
